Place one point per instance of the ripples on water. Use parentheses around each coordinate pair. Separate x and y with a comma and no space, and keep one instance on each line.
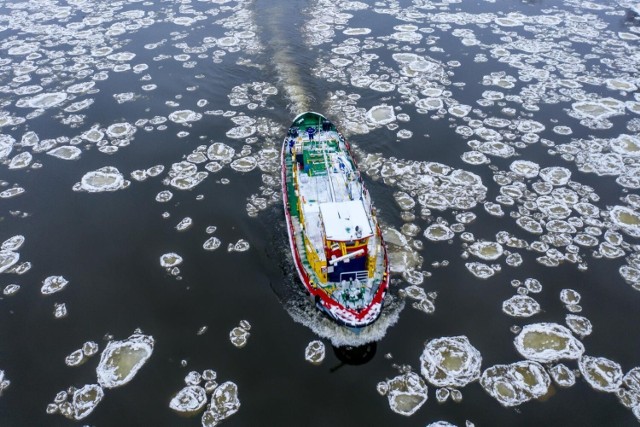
(501,145)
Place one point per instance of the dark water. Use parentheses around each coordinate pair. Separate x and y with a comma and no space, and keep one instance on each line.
(108,244)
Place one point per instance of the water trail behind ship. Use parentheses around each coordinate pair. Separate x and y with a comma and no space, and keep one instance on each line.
(280,26)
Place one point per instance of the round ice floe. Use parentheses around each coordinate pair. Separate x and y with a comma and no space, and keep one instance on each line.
(438,232)
(60,310)
(627,145)
(239,336)
(569,296)
(184,224)
(170,260)
(211,244)
(488,251)
(480,270)
(189,400)
(84,401)
(8,259)
(404,200)
(43,100)
(601,373)
(164,196)
(465,178)
(53,284)
(474,158)
(244,164)
(12,192)
(10,290)
(121,360)
(240,132)
(224,403)
(76,358)
(497,148)
(66,152)
(394,237)
(187,182)
(580,326)
(107,178)
(548,342)
(382,86)
(220,152)
(121,130)
(240,246)
(381,114)
(6,145)
(526,126)
(93,135)
(89,348)
(555,175)
(430,103)
(450,362)
(597,110)
(406,393)
(459,110)
(562,375)
(514,384)
(21,160)
(13,243)
(525,168)
(627,219)
(315,352)
(521,306)
(587,209)
(184,116)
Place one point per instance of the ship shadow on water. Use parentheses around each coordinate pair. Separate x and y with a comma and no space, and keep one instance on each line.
(354,356)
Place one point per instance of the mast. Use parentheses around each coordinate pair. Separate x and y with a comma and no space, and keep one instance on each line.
(326,165)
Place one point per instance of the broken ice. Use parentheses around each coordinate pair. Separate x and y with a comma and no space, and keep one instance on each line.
(315,352)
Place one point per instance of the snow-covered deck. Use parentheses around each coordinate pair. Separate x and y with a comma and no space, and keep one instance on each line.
(332,201)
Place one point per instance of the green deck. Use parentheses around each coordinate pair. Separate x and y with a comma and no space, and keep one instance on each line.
(291,192)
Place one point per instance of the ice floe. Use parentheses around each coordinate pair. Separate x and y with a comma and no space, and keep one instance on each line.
(224,403)
(53,284)
(548,342)
(120,361)
(521,306)
(450,362)
(514,384)
(406,393)
(601,373)
(191,399)
(239,335)
(8,259)
(79,403)
(107,178)
(315,352)
(562,375)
